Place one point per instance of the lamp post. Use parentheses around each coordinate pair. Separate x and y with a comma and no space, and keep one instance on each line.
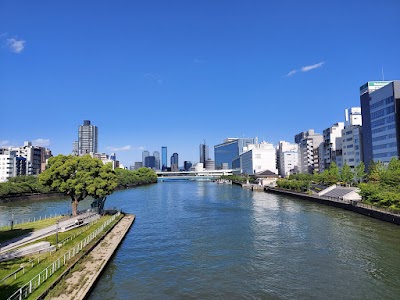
(57,233)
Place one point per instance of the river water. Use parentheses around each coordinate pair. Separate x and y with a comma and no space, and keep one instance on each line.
(201,240)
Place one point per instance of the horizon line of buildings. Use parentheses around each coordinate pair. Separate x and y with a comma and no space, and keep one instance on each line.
(370,132)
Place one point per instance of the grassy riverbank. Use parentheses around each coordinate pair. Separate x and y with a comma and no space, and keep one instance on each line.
(35,264)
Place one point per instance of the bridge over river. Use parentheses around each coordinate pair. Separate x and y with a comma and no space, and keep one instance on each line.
(206,175)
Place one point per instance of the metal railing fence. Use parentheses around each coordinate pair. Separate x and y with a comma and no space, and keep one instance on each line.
(38,280)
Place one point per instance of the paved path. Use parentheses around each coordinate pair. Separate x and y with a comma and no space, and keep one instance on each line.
(79,283)
(35,235)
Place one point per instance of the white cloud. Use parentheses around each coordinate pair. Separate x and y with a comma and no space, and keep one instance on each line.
(15,45)
(116,149)
(4,143)
(41,142)
(305,69)
(316,66)
(291,73)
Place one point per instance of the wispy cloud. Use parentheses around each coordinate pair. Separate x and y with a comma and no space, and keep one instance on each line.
(4,143)
(16,46)
(41,142)
(305,69)
(154,77)
(312,67)
(291,73)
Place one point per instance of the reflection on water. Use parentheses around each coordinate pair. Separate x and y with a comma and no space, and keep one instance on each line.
(204,240)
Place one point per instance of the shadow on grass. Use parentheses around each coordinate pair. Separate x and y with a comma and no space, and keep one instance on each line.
(7,290)
(6,235)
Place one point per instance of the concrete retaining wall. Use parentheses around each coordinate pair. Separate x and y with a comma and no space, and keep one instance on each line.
(383,216)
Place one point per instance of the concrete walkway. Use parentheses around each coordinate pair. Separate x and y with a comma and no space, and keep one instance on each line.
(79,283)
(35,235)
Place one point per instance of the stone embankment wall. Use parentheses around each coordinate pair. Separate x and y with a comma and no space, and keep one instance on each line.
(352,206)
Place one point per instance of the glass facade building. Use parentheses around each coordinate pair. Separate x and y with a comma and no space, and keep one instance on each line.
(164,158)
(379,107)
(226,152)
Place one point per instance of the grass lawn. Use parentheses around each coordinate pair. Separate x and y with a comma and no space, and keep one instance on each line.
(11,284)
(21,229)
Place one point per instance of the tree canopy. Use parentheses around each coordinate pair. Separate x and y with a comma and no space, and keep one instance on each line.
(79,177)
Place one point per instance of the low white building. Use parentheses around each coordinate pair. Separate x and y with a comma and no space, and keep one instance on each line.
(257,158)
(7,166)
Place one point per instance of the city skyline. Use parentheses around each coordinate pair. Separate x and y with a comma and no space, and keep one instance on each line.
(266,70)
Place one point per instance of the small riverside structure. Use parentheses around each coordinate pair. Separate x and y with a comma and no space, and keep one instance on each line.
(352,205)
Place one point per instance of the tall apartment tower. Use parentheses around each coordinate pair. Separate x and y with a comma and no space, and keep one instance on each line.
(308,142)
(174,162)
(203,153)
(332,143)
(87,138)
(352,137)
(380,104)
(164,158)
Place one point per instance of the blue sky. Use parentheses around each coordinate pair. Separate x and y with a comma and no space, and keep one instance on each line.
(155,73)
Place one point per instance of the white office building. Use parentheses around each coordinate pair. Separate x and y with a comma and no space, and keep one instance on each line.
(351,137)
(257,158)
(288,158)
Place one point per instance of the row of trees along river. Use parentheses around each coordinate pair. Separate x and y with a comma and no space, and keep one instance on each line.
(379,186)
(77,177)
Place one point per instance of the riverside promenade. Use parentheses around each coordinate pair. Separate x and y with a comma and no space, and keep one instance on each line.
(79,283)
(361,208)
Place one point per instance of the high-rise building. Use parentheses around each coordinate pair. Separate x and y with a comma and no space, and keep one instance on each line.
(145,153)
(230,149)
(204,154)
(187,165)
(352,137)
(380,102)
(150,162)
(164,159)
(174,162)
(156,154)
(332,135)
(75,148)
(87,138)
(308,141)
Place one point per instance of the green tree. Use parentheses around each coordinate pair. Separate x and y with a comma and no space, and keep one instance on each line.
(347,174)
(360,172)
(334,171)
(79,177)
(375,170)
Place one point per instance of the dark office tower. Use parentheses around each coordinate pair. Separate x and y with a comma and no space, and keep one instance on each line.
(164,158)
(87,138)
(187,165)
(145,153)
(380,102)
(150,162)
(174,162)
(203,153)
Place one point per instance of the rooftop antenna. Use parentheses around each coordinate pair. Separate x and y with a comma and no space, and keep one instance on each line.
(383,75)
